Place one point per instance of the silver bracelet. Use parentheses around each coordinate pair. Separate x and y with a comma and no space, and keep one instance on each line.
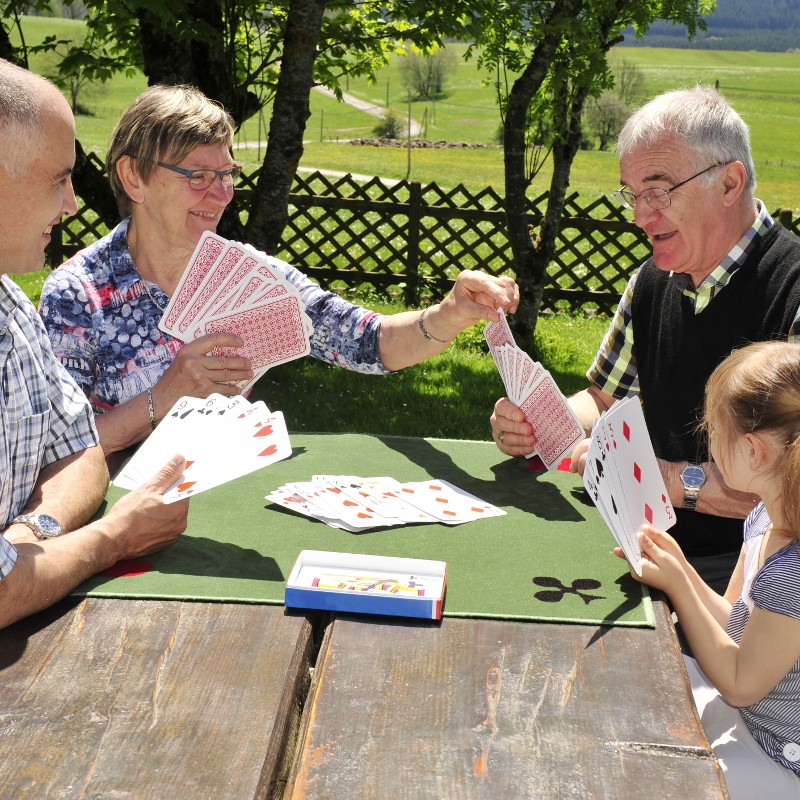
(429,336)
(150,410)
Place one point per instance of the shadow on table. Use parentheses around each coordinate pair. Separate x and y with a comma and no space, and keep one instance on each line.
(200,556)
(513,484)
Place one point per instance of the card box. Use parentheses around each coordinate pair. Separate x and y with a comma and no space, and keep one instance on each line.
(364,584)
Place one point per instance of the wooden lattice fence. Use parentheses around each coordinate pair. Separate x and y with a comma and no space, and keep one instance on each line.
(407,238)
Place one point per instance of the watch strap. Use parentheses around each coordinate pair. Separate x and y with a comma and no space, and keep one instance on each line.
(690,498)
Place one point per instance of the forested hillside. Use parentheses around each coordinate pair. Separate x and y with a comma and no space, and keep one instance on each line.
(765,25)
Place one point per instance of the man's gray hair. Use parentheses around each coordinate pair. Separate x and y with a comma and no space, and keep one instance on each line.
(21,119)
(703,121)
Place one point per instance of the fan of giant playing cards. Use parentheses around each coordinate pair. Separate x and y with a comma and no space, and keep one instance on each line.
(358,504)
(531,387)
(229,287)
(222,438)
(623,478)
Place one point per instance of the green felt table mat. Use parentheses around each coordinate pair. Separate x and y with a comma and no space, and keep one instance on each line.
(548,559)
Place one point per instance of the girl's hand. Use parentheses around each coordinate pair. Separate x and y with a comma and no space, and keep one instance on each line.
(663,562)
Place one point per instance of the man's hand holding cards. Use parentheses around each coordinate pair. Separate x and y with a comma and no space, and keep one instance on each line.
(222,438)
(623,478)
(531,387)
(229,287)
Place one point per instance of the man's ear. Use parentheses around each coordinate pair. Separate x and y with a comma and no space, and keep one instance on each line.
(734,179)
(130,178)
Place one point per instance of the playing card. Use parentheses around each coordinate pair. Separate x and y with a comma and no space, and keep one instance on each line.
(207,251)
(640,478)
(447,503)
(381,495)
(214,279)
(601,482)
(555,425)
(248,445)
(273,332)
(166,440)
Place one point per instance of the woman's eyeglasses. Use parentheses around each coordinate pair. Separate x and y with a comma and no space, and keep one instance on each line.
(201,179)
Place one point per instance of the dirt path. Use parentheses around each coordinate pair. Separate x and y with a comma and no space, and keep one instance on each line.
(368,108)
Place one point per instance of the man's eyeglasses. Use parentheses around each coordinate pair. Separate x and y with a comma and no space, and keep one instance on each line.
(657,198)
(201,179)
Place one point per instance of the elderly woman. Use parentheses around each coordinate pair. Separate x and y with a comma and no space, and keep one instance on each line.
(171,170)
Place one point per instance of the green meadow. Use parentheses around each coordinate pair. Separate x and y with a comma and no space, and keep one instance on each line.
(762,86)
(452,395)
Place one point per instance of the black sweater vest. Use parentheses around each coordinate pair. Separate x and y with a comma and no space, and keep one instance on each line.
(676,351)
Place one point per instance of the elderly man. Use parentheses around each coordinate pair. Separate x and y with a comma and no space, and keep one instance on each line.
(721,275)
(52,472)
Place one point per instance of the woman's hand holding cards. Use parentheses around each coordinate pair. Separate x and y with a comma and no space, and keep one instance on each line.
(196,372)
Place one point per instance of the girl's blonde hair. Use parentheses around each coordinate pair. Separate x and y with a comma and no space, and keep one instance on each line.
(757,390)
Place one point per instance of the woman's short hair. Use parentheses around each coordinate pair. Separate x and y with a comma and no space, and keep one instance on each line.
(702,120)
(164,122)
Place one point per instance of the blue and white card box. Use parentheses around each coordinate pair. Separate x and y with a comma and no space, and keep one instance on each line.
(364,584)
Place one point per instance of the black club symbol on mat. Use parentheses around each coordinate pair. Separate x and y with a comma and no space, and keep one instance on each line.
(556,590)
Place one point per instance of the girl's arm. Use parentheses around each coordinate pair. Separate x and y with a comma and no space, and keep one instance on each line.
(719,607)
(743,674)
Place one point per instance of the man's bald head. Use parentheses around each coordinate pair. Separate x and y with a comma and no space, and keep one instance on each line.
(24,101)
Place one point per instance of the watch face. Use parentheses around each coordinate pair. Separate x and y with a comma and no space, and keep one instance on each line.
(46,524)
(693,476)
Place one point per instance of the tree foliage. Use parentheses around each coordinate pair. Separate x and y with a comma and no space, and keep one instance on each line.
(557,51)
(425,74)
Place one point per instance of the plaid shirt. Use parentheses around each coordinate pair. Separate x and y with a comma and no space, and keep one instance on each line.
(8,557)
(44,416)
(614,368)
(102,319)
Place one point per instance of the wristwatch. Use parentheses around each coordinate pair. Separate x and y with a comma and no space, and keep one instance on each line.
(43,525)
(693,477)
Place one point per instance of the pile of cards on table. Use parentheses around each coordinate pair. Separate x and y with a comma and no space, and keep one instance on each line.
(222,438)
(531,387)
(357,504)
(623,478)
(229,287)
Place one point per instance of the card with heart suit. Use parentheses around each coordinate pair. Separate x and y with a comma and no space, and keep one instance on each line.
(228,287)
(623,477)
(222,438)
(531,387)
(358,504)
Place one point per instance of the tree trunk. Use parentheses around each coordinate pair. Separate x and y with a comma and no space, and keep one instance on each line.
(528,268)
(290,112)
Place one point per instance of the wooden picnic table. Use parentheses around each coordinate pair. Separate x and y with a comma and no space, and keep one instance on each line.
(489,709)
(175,699)
(157,700)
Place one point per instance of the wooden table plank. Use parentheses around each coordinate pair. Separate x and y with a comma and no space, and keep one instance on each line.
(150,699)
(497,709)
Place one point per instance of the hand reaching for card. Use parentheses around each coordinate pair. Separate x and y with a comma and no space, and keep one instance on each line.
(198,372)
(475,296)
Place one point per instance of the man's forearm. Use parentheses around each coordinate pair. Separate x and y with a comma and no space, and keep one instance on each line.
(72,488)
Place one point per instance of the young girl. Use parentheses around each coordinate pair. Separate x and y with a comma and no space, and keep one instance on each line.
(747,643)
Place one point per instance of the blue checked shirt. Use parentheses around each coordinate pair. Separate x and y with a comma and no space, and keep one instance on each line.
(45,417)
(614,368)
